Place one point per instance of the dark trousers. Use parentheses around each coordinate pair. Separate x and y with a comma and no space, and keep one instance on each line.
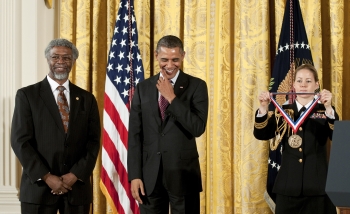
(304,205)
(158,201)
(62,206)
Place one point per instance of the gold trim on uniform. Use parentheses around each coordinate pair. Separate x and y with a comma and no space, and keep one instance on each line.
(279,133)
(331,126)
(263,124)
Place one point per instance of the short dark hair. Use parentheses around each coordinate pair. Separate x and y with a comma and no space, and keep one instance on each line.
(170,41)
(61,43)
(309,67)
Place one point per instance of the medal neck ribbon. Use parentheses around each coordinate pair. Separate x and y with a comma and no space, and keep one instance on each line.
(294,124)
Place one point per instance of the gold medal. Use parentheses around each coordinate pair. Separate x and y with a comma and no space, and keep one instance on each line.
(295,141)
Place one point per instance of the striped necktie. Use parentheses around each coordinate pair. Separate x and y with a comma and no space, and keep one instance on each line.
(163,104)
(63,107)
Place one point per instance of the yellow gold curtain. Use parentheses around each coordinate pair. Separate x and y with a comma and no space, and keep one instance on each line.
(231,45)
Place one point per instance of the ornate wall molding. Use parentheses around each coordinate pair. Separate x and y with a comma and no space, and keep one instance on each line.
(26,28)
(10,17)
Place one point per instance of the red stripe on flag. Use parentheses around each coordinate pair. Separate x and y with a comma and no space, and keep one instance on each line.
(115,117)
(123,175)
(111,190)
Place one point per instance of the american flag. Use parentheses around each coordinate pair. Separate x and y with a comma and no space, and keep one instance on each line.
(124,71)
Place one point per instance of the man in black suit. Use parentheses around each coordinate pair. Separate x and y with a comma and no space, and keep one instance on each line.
(163,163)
(57,149)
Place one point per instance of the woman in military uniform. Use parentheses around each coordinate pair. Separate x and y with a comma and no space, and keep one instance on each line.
(301,179)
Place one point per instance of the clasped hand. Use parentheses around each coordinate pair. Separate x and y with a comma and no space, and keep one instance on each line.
(60,185)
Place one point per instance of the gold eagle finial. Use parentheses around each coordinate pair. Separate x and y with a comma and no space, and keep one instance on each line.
(285,86)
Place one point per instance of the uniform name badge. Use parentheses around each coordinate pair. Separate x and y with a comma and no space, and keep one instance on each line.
(294,141)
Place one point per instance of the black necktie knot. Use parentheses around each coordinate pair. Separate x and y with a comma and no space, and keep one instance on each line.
(300,112)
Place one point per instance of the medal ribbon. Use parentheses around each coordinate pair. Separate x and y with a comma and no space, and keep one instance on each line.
(295,124)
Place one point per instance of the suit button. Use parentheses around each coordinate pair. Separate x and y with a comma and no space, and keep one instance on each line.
(300,160)
(65,145)
(162,134)
(300,149)
(300,129)
(158,153)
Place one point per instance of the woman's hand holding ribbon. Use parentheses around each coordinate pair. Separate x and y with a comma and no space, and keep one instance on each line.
(264,99)
(326,99)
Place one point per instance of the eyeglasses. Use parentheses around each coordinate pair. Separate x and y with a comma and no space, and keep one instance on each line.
(56,58)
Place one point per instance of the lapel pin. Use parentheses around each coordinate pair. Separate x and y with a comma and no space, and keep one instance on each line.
(77,98)
(181,87)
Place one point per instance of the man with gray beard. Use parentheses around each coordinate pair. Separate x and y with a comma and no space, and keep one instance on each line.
(56,137)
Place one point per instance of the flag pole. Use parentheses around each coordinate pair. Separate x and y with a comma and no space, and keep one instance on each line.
(291,97)
(131,92)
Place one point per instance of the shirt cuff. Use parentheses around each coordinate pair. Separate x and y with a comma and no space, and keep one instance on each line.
(330,116)
(260,115)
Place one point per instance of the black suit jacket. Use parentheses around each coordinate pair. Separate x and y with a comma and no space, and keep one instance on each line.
(172,142)
(303,170)
(41,145)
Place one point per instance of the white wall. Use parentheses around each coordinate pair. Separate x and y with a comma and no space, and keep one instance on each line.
(26,27)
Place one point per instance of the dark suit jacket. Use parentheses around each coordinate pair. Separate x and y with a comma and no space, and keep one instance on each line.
(172,142)
(303,170)
(41,145)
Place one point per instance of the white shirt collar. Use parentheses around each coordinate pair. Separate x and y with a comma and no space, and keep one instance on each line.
(299,106)
(54,84)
